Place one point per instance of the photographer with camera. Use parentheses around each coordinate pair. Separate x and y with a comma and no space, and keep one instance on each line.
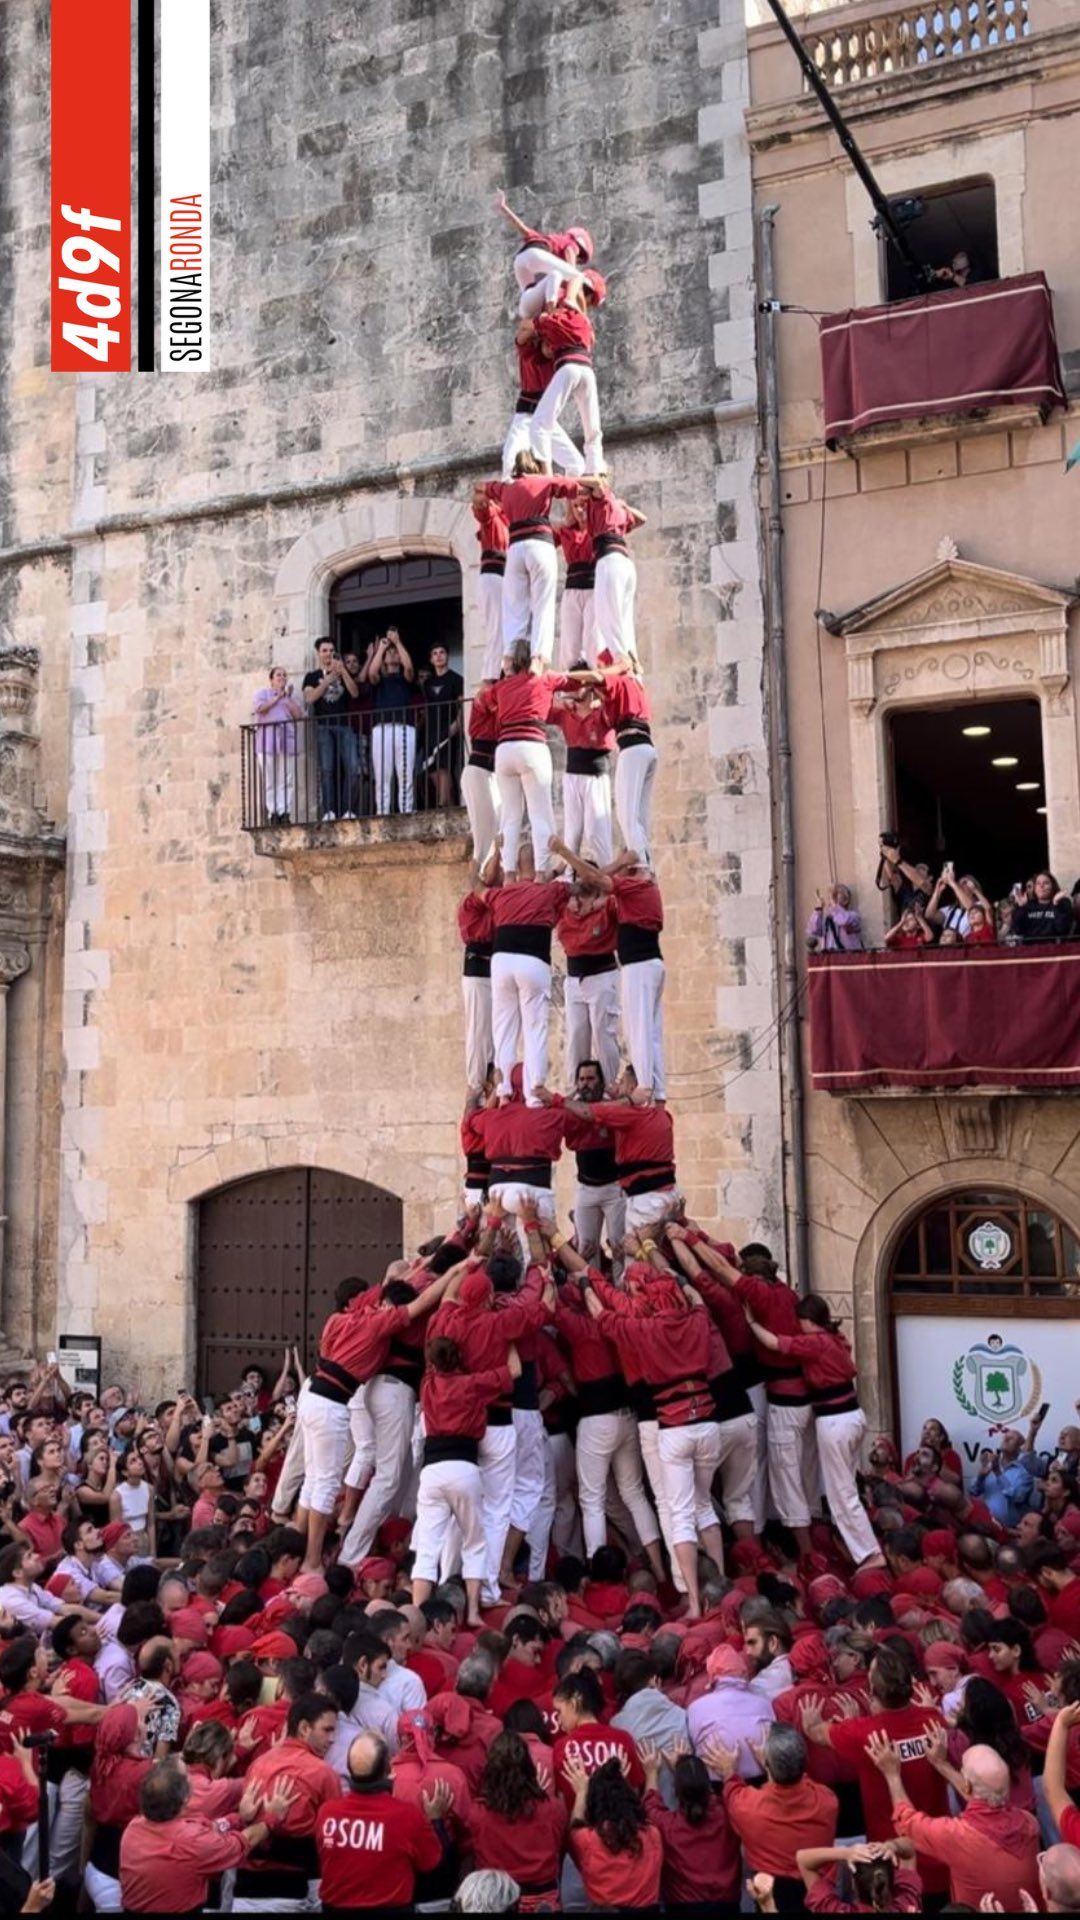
(908,881)
(327,691)
(393,731)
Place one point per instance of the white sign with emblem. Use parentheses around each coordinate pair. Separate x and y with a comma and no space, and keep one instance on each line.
(974,1374)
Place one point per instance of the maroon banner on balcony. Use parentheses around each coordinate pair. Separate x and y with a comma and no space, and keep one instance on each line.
(991,345)
(957,1017)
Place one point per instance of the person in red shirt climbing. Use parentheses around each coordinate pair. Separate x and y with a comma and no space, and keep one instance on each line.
(454,1407)
(530,582)
(565,334)
(546,262)
(493,533)
(611,521)
(577,629)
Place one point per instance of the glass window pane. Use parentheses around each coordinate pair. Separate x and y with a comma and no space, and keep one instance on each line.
(939,1257)
(1042,1251)
(907,1259)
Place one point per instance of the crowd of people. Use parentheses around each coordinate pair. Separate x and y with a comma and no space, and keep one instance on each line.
(951,911)
(561,1575)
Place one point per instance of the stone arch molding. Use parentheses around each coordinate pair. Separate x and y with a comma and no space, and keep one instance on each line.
(380,527)
(358,1156)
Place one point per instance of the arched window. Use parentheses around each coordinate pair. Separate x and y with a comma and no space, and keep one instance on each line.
(420,595)
(985,1247)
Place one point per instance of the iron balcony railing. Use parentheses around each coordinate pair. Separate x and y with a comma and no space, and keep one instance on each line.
(361,766)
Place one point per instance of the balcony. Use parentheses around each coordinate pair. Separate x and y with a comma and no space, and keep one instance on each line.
(959,355)
(370,788)
(866,43)
(940,1020)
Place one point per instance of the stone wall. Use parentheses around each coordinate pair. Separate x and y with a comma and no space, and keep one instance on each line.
(225,1011)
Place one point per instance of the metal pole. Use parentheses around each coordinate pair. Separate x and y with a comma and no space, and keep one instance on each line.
(798,1237)
(887,218)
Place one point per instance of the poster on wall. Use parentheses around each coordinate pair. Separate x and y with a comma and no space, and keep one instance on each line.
(977,1376)
(79,1358)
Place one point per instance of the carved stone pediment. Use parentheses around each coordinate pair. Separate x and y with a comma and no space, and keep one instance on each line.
(956,594)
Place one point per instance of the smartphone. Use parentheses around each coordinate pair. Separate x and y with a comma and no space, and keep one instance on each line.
(208,1403)
(1042,1413)
(51,1357)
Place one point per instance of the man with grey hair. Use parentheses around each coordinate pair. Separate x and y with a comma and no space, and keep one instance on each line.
(486,1891)
(1059,1879)
(372,1845)
(774,1820)
(991,1847)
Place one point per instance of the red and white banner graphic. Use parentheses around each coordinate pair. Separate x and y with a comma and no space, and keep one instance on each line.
(91,186)
(184,318)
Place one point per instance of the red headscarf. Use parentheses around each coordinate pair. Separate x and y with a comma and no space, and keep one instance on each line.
(415,1737)
(116,1774)
(476,1289)
(809,1658)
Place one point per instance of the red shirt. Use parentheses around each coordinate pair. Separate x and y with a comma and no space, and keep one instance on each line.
(292,1763)
(23,1713)
(566,334)
(267,1724)
(492,530)
(607,514)
(82,1683)
(484,1336)
(923,1786)
(529,497)
(371,1848)
(457,1403)
(516,1133)
(592,1355)
(578,547)
(534,368)
(46,1533)
(774,1306)
(166,1865)
(619,1879)
(517,1681)
(586,727)
(644,1138)
(359,1339)
(637,901)
(701,1864)
(825,1359)
(523,703)
(625,699)
(1063,1609)
(590,1746)
(1069,1826)
(483,717)
(18,1796)
(588,933)
(529,1849)
(476,924)
(983,936)
(774,1822)
(526,903)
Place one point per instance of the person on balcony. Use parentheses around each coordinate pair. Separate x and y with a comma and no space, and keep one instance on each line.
(1048,915)
(835,928)
(443,725)
(908,881)
(326,690)
(276,710)
(966,894)
(393,732)
(911,930)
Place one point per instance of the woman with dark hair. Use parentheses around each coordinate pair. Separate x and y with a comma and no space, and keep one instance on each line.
(828,1369)
(454,1405)
(618,1853)
(1060,1495)
(985,1719)
(516,1826)
(883,1878)
(118,1769)
(525,1718)
(702,1852)
(1048,915)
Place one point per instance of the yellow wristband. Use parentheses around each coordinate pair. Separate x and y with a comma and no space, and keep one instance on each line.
(648,1246)
(556,1241)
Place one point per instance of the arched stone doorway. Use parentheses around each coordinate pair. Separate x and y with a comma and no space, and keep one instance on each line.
(980,1284)
(270,1251)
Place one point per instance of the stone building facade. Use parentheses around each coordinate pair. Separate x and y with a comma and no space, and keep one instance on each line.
(203,1006)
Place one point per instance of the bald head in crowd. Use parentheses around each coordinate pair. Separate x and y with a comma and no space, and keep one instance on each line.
(1059,1879)
(986,1776)
(368,1758)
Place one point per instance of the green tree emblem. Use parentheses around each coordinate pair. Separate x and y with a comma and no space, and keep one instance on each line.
(997,1384)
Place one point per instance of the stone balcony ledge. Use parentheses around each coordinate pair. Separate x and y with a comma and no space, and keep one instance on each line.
(438,838)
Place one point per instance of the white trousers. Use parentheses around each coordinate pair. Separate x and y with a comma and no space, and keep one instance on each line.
(635,772)
(576,382)
(480,794)
(279,781)
(738,1465)
(607,1443)
(362,1434)
(689,1457)
(392,1407)
(591,1006)
(497,1451)
(648,1209)
(523,775)
(643,1022)
(539,274)
(790,1431)
(292,1473)
(756,1396)
(597,1209)
(326,1443)
(530,584)
(564,454)
(393,750)
(588,828)
(491,586)
(104,1891)
(839,1442)
(577,628)
(530,1450)
(450,1490)
(520,1008)
(615,592)
(479,1046)
(649,1441)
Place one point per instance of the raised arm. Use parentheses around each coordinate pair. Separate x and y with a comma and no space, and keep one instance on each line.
(1058,1796)
(502,206)
(593,876)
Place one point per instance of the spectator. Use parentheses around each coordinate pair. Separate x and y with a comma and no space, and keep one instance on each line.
(982,930)
(701,1849)
(486,1892)
(646,1713)
(767,1640)
(790,1811)
(879,1882)
(1059,1800)
(618,1854)
(908,881)
(1004,1479)
(732,1712)
(1059,1585)
(276,710)
(393,731)
(911,930)
(1048,915)
(966,893)
(372,1846)
(835,928)
(443,726)
(326,690)
(168,1854)
(990,1847)
(515,1824)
